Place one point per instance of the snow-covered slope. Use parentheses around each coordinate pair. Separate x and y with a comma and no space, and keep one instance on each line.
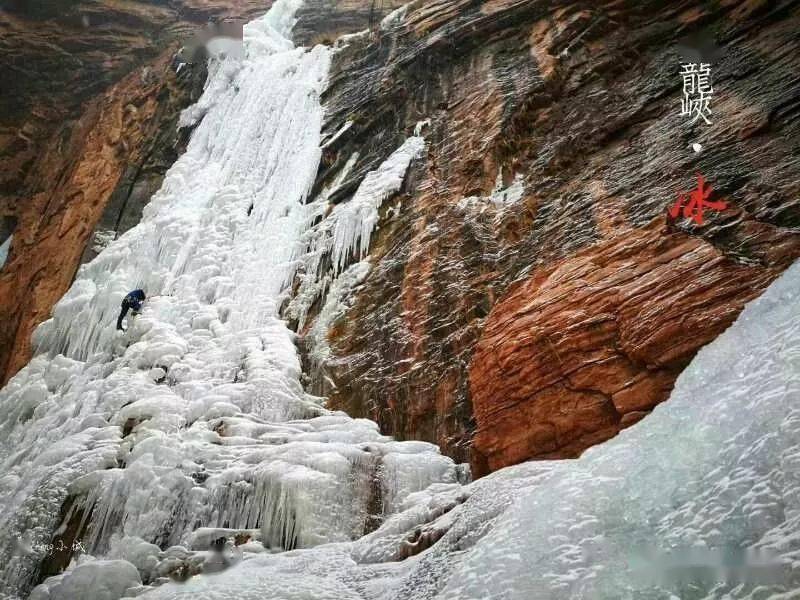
(195,418)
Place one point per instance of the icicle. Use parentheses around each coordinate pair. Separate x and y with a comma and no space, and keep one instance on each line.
(355,220)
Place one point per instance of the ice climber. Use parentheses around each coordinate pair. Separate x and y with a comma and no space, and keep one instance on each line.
(132,301)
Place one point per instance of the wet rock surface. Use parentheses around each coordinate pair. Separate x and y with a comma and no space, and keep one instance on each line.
(555,145)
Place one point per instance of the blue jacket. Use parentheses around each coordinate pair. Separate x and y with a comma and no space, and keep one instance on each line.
(135,299)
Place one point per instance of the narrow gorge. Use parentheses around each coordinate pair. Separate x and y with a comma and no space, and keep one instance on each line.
(419,321)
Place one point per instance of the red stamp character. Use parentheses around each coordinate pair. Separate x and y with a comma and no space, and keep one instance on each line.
(696,202)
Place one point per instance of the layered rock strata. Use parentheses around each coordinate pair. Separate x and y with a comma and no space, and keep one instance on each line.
(555,144)
(589,345)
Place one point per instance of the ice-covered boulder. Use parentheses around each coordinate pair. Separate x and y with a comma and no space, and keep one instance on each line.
(97,579)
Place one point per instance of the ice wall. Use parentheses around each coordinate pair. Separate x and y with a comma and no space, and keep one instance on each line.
(195,419)
(701,500)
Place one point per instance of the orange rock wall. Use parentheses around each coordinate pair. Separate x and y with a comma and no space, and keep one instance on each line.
(505,330)
(589,345)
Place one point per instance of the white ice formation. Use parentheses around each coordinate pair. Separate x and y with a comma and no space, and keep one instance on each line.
(355,220)
(195,420)
(101,239)
(5,247)
(334,307)
(701,500)
(344,234)
(499,204)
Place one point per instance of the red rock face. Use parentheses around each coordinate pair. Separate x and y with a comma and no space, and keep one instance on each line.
(56,55)
(587,346)
(581,103)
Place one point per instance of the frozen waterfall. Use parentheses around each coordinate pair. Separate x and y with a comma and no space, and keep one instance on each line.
(193,425)
(186,460)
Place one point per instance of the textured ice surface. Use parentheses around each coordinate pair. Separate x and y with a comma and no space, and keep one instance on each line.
(102,238)
(98,580)
(195,418)
(4,249)
(500,202)
(710,478)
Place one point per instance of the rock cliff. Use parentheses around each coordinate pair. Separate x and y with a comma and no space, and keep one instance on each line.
(527,297)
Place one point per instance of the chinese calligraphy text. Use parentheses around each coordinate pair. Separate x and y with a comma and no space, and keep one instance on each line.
(696,202)
(697,91)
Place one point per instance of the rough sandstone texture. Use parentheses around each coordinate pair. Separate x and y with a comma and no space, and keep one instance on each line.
(539,324)
(587,346)
(56,55)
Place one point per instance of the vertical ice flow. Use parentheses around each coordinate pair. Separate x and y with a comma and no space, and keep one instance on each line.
(196,416)
(344,234)
(356,219)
